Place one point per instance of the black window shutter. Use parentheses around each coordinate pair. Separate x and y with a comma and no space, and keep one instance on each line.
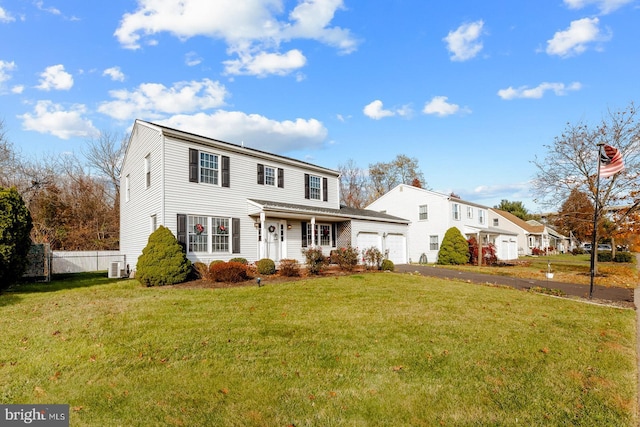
(304,234)
(260,174)
(280,178)
(325,190)
(235,235)
(193,165)
(306,185)
(334,231)
(225,171)
(182,230)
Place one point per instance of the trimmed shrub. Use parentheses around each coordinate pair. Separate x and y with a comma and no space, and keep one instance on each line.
(266,266)
(240,260)
(454,249)
(372,257)
(289,268)
(163,261)
(387,265)
(346,258)
(578,251)
(15,226)
(623,257)
(604,256)
(314,259)
(200,270)
(229,272)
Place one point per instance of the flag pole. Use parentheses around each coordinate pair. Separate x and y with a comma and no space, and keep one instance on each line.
(594,245)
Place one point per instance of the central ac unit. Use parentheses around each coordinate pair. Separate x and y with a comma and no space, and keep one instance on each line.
(115,270)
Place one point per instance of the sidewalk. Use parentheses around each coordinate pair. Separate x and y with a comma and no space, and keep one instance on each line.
(600,293)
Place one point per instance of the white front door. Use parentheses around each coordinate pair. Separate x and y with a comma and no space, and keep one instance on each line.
(273,240)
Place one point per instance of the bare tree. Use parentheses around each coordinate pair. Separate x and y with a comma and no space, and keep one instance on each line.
(401,170)
(353,185)
(104,154)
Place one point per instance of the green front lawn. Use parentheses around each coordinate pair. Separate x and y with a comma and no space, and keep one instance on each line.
(367,349)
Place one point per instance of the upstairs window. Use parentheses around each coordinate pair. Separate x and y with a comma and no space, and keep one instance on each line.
(315,187)
(455,211)
(480,216)
(268,175)
(495,222)
(423,212)
(469,212)
(147,170)
(209,168)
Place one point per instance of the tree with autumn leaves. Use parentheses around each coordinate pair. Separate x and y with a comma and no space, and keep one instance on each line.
(73,201)
(568,172)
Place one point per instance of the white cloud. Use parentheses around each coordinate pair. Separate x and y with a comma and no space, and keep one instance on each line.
(52,10)
(440,107)
(192,59)
(53,119)
(575,39)
(6,16)
(605,6)
(264,63)
(55,77)
(464,43)
(538,91)
(154,100)
(5,68)
(18,89)
(114,73)
(374,110)
(253,130)
(250,28)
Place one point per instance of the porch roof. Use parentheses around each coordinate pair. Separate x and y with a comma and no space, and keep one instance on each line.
(294,211)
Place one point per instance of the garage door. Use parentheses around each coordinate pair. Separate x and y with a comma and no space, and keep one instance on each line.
(395,244)
(366,240)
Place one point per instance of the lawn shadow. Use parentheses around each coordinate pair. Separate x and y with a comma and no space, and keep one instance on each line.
(62,282)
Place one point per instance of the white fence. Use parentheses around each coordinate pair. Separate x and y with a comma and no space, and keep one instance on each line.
(84,261)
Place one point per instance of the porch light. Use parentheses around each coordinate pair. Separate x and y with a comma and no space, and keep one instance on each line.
(289,226)
(256,224)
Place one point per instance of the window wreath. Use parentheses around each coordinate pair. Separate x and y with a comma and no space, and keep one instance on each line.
(325,232)
(272,229)
(199,228)
(222,228)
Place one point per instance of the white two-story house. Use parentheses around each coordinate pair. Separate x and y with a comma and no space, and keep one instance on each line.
(223,200)
(431,214)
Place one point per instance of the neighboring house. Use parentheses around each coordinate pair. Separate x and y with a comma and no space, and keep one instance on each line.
(224,200)
(532,236)
(431,214)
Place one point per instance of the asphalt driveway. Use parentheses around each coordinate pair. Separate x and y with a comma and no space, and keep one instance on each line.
(600,293)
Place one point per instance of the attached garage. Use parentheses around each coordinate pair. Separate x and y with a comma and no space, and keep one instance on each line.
(397,247)
(366,240)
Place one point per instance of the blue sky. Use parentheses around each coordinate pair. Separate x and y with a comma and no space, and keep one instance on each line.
(471,89)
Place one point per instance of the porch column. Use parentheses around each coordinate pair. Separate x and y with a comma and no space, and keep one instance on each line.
(313,231)
(263,247)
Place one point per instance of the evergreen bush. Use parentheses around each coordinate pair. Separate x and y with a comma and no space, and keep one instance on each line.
(623,257)
(240,260)
(266,266)
(454,249)
(387,265)
(604,256)
(163,261)
(15,227)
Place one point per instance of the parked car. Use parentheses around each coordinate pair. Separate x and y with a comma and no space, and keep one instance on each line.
(604,247)
(586,247)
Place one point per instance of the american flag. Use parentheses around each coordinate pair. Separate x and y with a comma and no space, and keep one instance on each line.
(611,161)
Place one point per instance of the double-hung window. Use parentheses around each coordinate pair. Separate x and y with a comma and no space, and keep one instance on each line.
(205,230)
(209,168)
(433,243)
(315,187)
(456,211)
(147,170)
(480,216)
(423,212)
(269,176)
(469,212)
